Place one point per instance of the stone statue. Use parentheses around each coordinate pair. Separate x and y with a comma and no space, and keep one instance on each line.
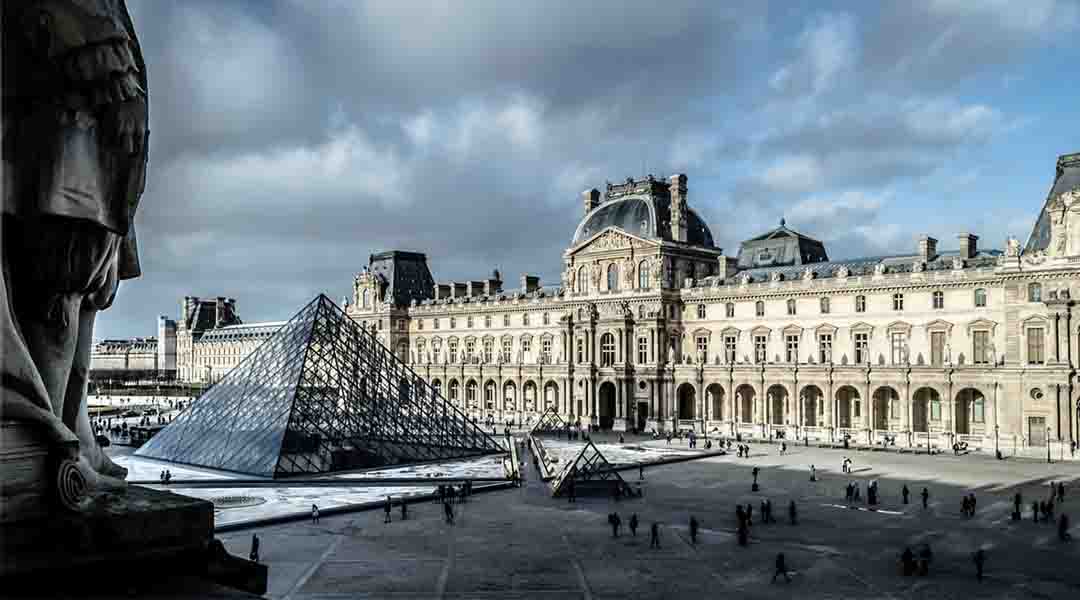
(1012,247)
(74,160)
(596,273)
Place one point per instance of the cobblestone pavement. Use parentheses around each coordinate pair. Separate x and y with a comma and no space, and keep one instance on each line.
(523,544)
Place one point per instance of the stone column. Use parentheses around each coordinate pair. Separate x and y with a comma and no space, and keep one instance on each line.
(1054,356)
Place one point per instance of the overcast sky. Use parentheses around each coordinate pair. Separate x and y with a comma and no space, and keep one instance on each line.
(291,139)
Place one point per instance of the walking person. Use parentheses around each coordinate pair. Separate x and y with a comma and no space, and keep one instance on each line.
(813,473)
(314,514)
(404,509)
(633,524)
(641,472)
(792,514)
(1061,492)
(924,560)
(1035,511)
(386,509)
(616,522)
(1063,528)
(448,510)
(654,536)
(925,498)
(749,514)
(781,568)
(693,529)
(980,560)
(254,556)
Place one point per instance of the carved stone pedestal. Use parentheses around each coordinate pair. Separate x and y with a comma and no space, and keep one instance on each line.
(134,532)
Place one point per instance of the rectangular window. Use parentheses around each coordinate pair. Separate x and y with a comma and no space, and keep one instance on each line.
(401,324)
(545,350)
(935,410)
(1035,351)
(580,350)
(642,350)
(862,348)
(978,410)
(824,306)
(898,348)
(436,323)
(860,303)
(792,344)
(453,322)
(453,352)
(703,347)
(488,351)
(761,343)
(898,301)
(470,350)
(937,348)
(980,347)
(729,348)
(507,347)
(526,345)
(730,310)
(825,348)
(420,324)
(857,406)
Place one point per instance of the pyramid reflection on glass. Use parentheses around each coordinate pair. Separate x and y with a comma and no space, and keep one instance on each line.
(320,395)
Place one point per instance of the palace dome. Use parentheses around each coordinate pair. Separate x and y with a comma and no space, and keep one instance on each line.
(647,217)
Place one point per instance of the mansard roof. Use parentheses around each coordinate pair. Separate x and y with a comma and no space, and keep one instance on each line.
(780,247)
(1066,179)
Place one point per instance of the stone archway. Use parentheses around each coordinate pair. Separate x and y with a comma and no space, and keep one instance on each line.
(813,405)
(848,407)
(606,405)
(745,395)
(509,396)
(970,408)
(777,398)
(687,402)
(528,396)
(885,397)
(926,402)
(551,396)
(715,394)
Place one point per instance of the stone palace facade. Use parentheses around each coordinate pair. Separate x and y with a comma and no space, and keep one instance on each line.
(653,326)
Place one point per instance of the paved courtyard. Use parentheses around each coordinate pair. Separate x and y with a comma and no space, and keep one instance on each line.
(523,544)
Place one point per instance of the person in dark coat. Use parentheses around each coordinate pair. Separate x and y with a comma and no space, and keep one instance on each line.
(448,510)
(980,560)
(1061,492)
(254,556)
(654,536)
(693,529)
(404,509)
(792,513)
(907,559)
(386,508)
(925,498)
(633,524)
(781,568)
(924,559)
(1063,528)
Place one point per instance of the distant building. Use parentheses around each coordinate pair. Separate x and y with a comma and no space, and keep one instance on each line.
(137,358)
(211,338)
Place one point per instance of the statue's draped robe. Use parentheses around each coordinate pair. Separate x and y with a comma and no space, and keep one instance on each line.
(66,65)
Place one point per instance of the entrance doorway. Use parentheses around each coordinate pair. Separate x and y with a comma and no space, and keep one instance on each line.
(642,415)
(607,405)
(1037,431)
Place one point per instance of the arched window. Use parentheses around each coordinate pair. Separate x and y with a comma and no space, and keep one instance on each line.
(366,298)
(701,311)
(643,275)
(437,386)
(759,308)
(791,306)
(729,310)
(980,298)
(455,389)
(607,350)
(582,281)
(403,352)
(470,393)
(1034,292)
(613,277)
(939,299)
(860,303)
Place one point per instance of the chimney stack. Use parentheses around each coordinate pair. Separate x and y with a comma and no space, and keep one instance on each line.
(927,248)
(529,283)
(968,245)
(592,199)
(679,209)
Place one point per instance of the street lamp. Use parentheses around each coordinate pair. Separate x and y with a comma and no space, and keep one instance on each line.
(1048,444)
(997,450)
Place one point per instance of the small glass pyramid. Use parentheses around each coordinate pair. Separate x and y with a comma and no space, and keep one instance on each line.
(320,395)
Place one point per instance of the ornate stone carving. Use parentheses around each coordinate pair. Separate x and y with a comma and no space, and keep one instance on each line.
(843,272)
(918,266)
(613,240)
(776,276)
(596,273)
(1012,247)
(74,163)
(808,274)
(628,272)
(879,269)
(957,263)
(744,278)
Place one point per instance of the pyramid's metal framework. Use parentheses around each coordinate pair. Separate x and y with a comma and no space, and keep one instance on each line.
(590,472)
(320,395)
(550,422)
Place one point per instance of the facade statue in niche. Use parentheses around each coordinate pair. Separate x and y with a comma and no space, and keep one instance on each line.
(808,274)
(74,159)
(744,279)
(596,273)
(628,272)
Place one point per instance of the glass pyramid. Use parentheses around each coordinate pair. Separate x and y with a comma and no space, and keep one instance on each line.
(590,473)
(320,395)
